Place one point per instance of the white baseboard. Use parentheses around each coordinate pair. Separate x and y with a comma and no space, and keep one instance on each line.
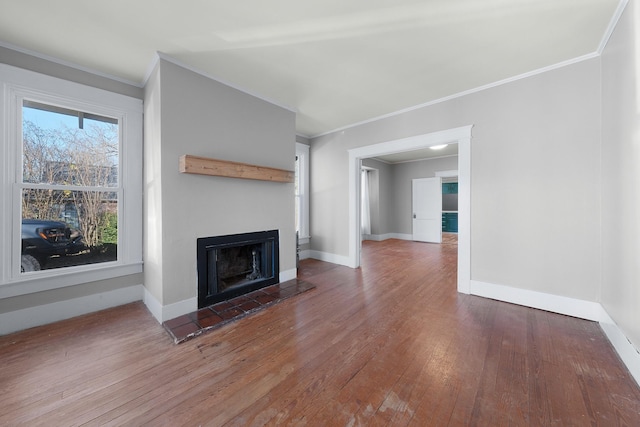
(162,313)
(287,275)
(305,254)
(26,318)
(332,258)
(382,237)
(153,305)
(627,351)
(554,303)
(400,236)
(587,310)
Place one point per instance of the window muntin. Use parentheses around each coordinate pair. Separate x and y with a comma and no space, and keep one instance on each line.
(68,147)
(302,191)
(69,158)
(297,192)
(57,95)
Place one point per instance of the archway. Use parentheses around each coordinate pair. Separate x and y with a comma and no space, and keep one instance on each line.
(461,136)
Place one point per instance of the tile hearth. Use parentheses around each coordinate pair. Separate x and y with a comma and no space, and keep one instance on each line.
(193,324)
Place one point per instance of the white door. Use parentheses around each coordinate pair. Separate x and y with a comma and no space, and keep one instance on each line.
(427,210)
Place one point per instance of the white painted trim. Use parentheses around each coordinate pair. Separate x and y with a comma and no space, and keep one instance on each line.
(19,83)
(464,93)
(150,67)
(447,174)
(303,179)
(423,159)
(328,257)
(179,63)
(411,143)
(626,350)
(382,237)
(582,309)
(400,236)
(554,303)
(305,254)
(612,25)
(69,64)
(153,305)
(462,136)
(464,214)
(18,320)
(162,313)
(287,275)
(73,276)
(179,308)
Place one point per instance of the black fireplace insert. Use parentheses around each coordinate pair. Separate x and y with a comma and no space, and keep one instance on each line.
(232,265)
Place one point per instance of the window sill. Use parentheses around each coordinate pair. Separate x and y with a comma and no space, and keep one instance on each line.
(54,279)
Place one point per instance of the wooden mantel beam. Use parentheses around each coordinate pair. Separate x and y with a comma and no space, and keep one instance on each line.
(215,167)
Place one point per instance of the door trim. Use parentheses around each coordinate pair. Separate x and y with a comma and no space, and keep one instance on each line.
(461,136)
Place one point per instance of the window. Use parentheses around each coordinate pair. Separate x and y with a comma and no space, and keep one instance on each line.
(302,191)
(72,186)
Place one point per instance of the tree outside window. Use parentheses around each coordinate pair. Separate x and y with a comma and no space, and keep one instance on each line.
(69,178)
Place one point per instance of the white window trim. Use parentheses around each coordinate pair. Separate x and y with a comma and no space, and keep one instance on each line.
(16,83)
(302,151)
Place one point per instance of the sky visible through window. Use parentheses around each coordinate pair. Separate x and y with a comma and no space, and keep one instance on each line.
(69,174)
(98,131)
(48,120)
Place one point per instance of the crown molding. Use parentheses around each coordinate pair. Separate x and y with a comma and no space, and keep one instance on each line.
(612,25)
(603,42)
(465,93)
(69,64)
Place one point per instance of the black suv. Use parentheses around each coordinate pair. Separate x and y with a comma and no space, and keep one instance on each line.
(43,239)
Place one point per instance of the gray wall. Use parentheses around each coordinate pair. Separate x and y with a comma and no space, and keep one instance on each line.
(535,179)
(186,113)
(54,69)
(202,117)
(393,213)
(403,175)
(621,176)
(28,62)
(382,207)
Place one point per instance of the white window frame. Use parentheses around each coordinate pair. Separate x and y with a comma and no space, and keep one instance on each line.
(302,152)
(17,84)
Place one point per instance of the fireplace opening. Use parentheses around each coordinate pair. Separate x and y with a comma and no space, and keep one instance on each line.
(232,265)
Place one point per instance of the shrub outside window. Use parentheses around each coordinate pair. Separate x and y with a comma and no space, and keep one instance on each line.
(72,186)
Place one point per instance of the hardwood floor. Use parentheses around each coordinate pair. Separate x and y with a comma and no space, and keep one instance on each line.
(392,343)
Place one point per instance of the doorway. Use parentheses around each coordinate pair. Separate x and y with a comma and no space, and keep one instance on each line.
(461,136)
(427,209)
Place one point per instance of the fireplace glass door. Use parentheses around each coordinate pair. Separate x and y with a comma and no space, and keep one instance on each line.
(232,265)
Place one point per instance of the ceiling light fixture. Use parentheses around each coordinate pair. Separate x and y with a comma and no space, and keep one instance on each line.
(438,147)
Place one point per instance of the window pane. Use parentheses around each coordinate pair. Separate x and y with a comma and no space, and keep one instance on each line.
(297,176)
(68,147)
(297,213)
(62,228)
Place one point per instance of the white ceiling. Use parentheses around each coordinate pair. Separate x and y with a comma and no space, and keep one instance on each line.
(334,62)
(422,154)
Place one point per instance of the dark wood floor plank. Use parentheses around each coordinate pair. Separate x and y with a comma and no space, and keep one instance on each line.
(391,343)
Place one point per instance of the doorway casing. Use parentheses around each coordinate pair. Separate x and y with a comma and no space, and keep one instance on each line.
(461,136)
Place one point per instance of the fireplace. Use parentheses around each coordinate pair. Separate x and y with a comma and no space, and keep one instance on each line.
(232,265)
